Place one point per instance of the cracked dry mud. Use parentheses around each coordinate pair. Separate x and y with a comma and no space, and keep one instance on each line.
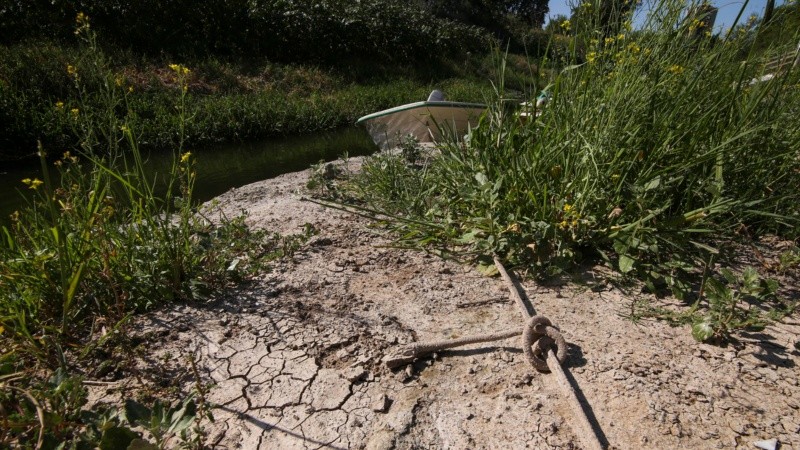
(295,355)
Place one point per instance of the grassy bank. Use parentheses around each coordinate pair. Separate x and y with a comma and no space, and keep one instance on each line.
(96,245)
(656,154)
(225,101)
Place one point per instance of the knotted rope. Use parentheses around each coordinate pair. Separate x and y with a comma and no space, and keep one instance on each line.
(538,341)
(544,347)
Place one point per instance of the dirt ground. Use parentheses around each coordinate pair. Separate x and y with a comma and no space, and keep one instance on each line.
(295,356)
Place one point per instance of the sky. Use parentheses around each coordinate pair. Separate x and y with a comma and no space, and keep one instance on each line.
(728,9)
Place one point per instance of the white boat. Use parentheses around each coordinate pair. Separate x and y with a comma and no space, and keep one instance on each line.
(427,121)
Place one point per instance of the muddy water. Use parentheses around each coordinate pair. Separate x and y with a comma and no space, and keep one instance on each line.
(219,167)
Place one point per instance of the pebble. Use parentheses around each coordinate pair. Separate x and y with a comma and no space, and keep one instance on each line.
(769,444)
(381,404)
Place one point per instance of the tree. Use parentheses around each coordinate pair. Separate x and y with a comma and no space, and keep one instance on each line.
(768,11)
(531,12)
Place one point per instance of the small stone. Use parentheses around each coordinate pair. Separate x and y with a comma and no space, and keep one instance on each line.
(354,374)
(769,444)
(381,404)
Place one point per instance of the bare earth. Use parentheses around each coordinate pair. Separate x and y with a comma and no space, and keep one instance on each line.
(296,355)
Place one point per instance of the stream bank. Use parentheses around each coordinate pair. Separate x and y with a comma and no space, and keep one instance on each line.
(295,355)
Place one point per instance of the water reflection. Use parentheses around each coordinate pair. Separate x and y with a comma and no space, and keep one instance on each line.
(220,167)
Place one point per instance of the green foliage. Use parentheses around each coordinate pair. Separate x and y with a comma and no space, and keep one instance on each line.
(101,238)
(51,414)
(789,259)
(654,147)
(781,31)
(728,303)
(226,101)
(285,30)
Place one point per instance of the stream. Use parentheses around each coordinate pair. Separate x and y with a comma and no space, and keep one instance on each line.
(219,167)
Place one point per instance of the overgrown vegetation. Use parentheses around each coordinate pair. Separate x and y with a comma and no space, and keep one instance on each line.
(227,101)
(99,241)
(656,153)
(260,69)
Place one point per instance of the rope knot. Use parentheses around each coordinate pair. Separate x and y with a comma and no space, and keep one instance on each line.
(538,337)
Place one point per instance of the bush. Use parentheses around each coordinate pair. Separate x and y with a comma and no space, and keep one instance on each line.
(651,154)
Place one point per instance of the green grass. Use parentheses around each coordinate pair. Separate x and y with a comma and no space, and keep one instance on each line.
(654,152)
(97,244)
(227,101)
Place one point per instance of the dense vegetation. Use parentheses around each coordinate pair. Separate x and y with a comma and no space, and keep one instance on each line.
(259,68)
(656,153)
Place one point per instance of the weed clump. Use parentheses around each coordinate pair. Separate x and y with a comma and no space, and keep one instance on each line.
(656,150)
(99,241)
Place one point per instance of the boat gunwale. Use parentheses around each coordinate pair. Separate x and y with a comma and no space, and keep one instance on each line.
(410,106)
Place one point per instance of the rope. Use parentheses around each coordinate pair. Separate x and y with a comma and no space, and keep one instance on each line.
(408,353)
(544,347)
(538,340)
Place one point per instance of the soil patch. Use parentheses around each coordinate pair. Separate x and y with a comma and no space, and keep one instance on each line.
(295,356)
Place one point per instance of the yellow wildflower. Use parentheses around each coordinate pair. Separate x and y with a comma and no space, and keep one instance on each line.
(68,156)
(179,69)
(33,184)
(118,80)
(81,18)
(696,23)
(566,25)
(185,157)
(567,207)
(609,40)
(14,216)
(591,57)
(125,129)
(620,37)
(615,177)
(676,69)
(72,71)
(59,105)
(564,224)
(634,48)
(74,112)
(130,89)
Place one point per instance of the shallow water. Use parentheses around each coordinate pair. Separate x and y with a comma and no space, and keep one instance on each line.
(219,167)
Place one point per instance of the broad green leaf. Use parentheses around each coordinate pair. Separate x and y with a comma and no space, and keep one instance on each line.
(488,270)
(136,413)
(116,438)
(652,184)
(702,331)
(751,281)
(626,263)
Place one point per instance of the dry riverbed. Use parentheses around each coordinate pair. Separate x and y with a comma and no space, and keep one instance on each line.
(295,356)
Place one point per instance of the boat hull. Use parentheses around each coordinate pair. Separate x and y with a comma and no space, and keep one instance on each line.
(426,121)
